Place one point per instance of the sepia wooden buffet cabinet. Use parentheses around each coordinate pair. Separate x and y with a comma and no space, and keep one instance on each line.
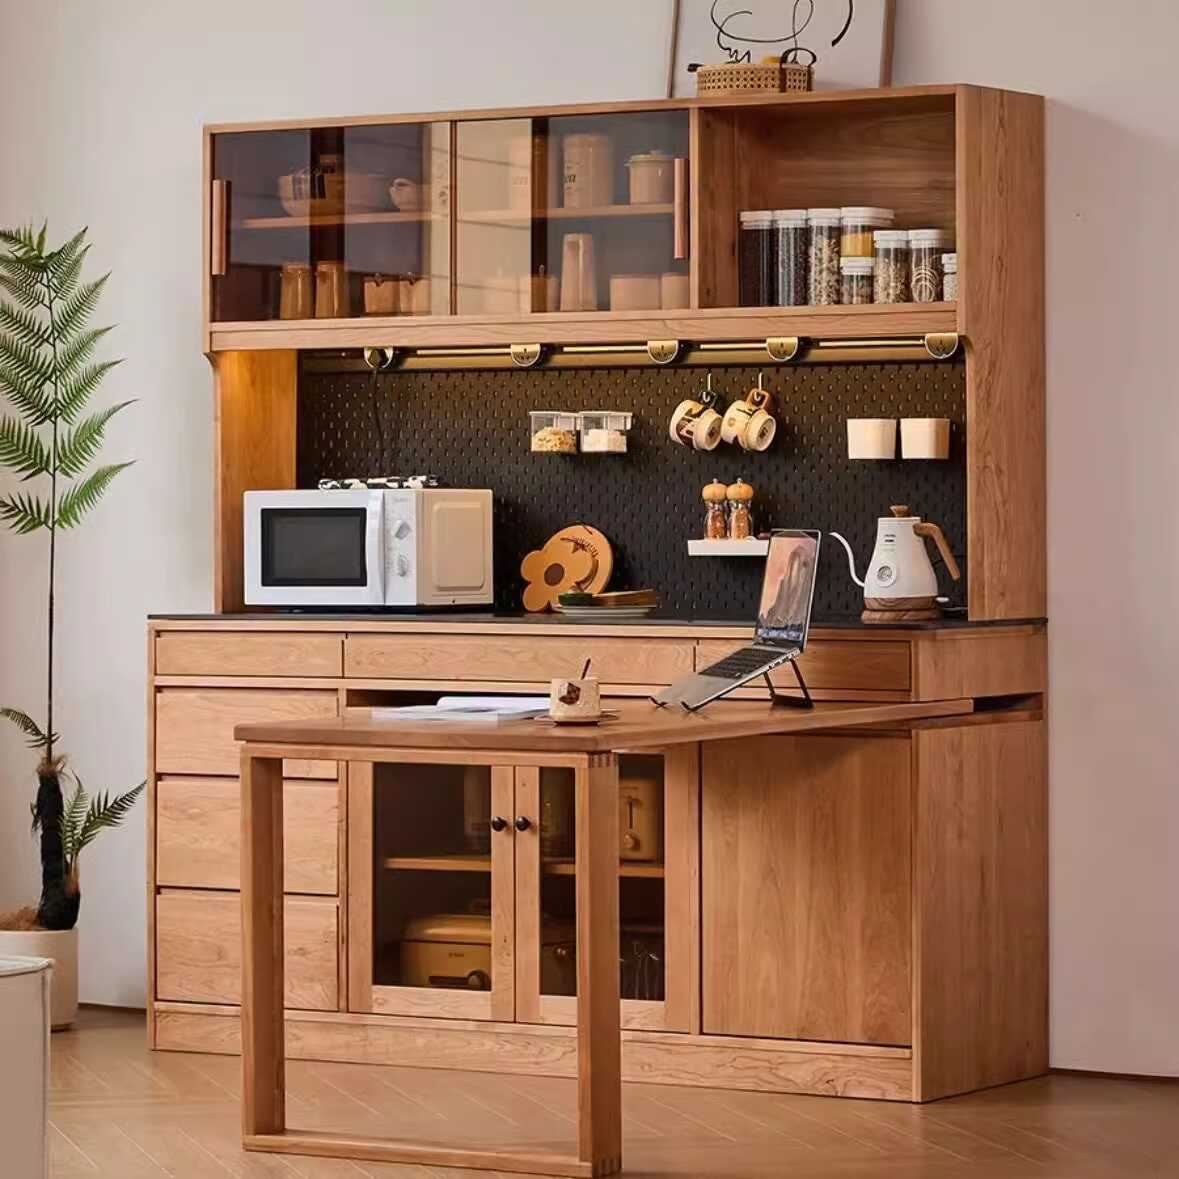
(851,914)
(860,914)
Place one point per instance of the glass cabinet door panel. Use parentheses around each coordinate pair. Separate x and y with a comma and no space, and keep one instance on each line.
(435,853)
(641,886)
(576,213)
(333,222)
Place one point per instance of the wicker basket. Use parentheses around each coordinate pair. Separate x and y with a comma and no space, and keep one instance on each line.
(712,81)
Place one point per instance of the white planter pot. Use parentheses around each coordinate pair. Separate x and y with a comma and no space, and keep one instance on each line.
(61,945)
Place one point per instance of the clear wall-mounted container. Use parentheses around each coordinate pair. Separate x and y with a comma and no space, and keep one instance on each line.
(553,432)
(603,431)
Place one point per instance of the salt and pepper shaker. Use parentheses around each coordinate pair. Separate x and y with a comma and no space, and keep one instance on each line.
(740,497)
(716,524)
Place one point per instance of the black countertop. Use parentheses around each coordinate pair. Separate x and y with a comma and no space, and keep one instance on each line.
(435,618)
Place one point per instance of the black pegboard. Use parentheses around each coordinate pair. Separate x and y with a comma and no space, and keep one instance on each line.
(471,428)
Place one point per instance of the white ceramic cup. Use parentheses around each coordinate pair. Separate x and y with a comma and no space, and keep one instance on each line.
(871,438)
(925,438)
(575,699)
(695,425)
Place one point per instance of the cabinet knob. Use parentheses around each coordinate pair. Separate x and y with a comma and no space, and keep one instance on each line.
(522,823)
(498,823)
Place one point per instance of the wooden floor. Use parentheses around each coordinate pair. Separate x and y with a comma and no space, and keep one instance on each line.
(119,1110)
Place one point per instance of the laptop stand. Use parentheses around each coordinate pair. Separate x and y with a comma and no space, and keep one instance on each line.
(777,698)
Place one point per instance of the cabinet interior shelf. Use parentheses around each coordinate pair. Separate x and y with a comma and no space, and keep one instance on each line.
(466,863)
(595,212)
(315,219)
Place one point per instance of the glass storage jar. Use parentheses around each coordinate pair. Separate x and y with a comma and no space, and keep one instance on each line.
(823,256)
(890,272)
(856,280)
(925,264)
(553,432)
(950,278)
(756,269)
(790,247)
(858,222)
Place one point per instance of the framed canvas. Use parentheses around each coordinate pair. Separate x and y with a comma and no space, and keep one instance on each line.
(848,42)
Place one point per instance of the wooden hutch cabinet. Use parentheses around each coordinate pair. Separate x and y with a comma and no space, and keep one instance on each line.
(857,914)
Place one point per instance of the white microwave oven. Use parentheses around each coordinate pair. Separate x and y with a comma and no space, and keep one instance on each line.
(414,546)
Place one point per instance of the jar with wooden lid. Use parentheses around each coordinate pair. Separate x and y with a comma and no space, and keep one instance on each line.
(857,224)
(740,497)
(716,522)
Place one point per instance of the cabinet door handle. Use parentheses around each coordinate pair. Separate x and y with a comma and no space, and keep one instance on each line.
(522,823)
(218,237)
(498,823)
(680,207)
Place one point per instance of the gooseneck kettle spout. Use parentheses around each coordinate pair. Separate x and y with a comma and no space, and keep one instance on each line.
(851,560)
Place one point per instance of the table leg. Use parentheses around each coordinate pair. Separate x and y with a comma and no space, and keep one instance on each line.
(599,1040)
(263,1050)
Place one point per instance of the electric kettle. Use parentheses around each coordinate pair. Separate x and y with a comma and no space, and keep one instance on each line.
(900,581)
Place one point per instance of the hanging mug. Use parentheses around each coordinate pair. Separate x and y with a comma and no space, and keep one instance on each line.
(750,422)
(695,423)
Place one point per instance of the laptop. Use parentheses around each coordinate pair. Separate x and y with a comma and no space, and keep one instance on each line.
(783,619)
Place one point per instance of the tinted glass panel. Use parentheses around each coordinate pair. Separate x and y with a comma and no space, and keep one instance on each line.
(313,547)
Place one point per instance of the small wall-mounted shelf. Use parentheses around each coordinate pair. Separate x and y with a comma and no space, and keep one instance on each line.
(314,219)
(750,547)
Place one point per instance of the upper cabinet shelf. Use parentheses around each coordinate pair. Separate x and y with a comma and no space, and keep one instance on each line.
(579,224)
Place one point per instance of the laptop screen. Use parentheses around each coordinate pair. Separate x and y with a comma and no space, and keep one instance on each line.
(788,588)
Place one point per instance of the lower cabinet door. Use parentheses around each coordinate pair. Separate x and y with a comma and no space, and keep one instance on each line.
(199,949)
(806,870)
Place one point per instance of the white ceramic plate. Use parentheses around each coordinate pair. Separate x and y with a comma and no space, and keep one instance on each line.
(604,612)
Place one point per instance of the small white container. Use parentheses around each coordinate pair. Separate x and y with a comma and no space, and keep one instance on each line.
(603,431)
(577,700)
(949,278)
(925,438)
(871,438)
(553,432)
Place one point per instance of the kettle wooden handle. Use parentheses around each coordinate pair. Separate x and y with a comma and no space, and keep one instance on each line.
(939,538)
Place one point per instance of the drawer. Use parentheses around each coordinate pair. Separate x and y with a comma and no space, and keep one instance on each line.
(199,950)
(830,665)
(198,834)
(235,653)
(514,658)
(194,727)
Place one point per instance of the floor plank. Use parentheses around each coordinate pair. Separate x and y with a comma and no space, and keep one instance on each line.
(118,1110)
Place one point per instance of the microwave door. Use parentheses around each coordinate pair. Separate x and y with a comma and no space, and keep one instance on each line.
(315,549)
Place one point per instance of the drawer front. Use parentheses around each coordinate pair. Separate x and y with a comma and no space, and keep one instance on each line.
(198,834)
(235,653)
(199,950)
(515,658)
(194,727)
(830,665)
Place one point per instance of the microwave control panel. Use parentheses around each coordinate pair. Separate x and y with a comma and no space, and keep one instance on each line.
(401,538)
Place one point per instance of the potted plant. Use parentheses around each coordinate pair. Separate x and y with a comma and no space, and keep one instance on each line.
(48,439)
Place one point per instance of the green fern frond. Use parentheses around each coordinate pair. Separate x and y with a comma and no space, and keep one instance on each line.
(22,242)
(30,368)
(81,444)
(27,326)
(35,737)
(73,313)
(65,279)
(21,449)
(82,497)
(72,819)
(24,513)
(34,402)
(104,813)
(67,253)
(75,392)
(77,351)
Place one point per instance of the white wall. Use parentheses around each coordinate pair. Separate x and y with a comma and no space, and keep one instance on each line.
(101,106)
(100,110)
(1113,425)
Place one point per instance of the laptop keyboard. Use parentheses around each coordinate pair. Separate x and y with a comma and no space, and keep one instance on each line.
(742,664)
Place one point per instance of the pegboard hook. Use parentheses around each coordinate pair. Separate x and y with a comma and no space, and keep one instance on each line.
(379,359)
